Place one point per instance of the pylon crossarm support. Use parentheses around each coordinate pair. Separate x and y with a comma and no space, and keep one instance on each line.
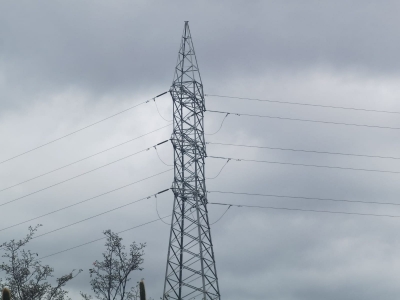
(191,263)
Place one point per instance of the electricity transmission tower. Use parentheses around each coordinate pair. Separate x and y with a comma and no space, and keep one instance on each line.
(191,271)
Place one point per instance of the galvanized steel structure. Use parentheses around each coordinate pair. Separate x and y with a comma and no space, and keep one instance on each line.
(191,271)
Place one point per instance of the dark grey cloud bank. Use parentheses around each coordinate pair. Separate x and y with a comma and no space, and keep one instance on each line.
(101,47)
(67,64)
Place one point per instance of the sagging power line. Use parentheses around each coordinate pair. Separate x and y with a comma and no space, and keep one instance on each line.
(87,243)
(304,165)
(303,120)
(303,150)
(103,213)
(82,159)
(83,128)
(305,210)
(305,198)
(86,200)
(74,177)
(307,104)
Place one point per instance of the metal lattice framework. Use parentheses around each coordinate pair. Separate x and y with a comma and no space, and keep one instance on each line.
(191,271)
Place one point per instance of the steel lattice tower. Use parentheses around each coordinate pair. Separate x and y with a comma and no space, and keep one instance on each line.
(191,271)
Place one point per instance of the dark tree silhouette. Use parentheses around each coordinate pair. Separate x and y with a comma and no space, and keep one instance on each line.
(110,276)
(26,276)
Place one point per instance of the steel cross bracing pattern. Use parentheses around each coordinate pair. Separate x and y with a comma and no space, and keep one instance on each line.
(191,271)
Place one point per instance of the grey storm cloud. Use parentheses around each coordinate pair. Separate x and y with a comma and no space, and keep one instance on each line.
(65,65)
(102,47)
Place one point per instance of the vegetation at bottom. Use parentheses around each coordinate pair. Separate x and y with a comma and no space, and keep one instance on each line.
(26,278)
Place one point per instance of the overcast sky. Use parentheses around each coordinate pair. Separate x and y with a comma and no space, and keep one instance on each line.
(67,64)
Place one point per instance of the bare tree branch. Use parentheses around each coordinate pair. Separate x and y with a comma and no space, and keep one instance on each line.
(111,275)
(27,277)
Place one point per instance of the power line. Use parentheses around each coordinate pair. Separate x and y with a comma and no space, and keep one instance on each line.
(307,210)
(223,120)
(158,214)
(143,224)
(307,104)
(154,99)
(303,120)
(307,198)
(71,178)
(103,213)
(305,165)
(155,147)
(219,170)
(87,157)
(221,215)
(76,131)
(302,150)
(80,202)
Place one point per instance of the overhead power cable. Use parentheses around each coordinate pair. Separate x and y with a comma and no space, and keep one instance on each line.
(306,198)
(307,104)
(303,120)
(302,150)
(158,214)
(223,120)
(308,210)
(221,215)
(86,200)
(76,131)
(304,165)
(71,178)
(82,159)
(87,243)
(219,170)
(158,155)
(103,213)
(154,99)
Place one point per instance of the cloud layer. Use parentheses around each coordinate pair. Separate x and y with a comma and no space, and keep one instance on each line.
(66,65)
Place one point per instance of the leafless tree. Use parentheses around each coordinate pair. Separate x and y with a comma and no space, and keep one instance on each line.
(110,276)
(26,276)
